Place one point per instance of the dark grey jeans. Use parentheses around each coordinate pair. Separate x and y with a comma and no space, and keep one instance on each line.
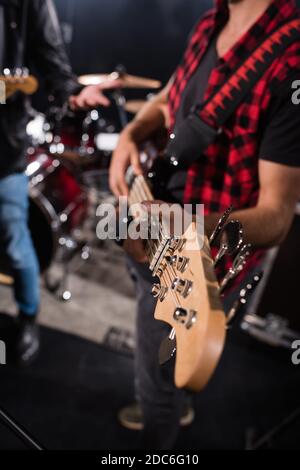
(162,403)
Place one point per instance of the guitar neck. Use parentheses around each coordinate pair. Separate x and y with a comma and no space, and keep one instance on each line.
(140,191)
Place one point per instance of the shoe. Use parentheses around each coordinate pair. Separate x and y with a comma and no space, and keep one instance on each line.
(27,341)
(131,417)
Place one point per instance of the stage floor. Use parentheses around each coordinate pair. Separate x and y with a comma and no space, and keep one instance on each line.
(69,399)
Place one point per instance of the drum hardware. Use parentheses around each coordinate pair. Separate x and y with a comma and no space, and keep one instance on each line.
(120,99)
(19,431)
(267,439)
(59,207)
(37,173)
(270,317)
(244,297)
(70,249)
(272,330)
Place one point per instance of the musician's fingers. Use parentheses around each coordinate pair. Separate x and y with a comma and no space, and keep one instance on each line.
(98,100)
(117,182)
(121,182)
(135,162)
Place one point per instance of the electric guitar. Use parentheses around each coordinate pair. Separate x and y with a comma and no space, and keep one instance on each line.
(19,81)
(188,293)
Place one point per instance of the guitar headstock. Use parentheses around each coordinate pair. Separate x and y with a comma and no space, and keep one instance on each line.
(19,80)
(189,301)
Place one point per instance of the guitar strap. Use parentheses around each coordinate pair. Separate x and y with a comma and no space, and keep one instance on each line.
(206,120)
(221,106)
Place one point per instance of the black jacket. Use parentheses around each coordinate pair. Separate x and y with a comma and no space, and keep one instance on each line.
(44,50)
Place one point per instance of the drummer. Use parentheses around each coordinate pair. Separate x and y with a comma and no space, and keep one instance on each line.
(44,50)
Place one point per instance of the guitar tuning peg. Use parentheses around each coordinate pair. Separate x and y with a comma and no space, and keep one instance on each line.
(232,240)
(237,266)
(220,226)
(244,297)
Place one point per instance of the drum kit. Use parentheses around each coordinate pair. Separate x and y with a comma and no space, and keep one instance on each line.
(68,160)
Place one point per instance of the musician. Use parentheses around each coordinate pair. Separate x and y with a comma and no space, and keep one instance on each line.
(254,164)
(29,36)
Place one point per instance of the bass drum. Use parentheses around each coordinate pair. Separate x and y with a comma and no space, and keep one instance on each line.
(58,205)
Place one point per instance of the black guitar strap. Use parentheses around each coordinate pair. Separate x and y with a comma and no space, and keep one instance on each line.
(205,120)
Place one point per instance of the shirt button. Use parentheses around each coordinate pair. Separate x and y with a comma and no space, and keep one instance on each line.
(13,25)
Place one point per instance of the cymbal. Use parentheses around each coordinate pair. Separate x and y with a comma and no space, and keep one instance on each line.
(127,81)
(134,106)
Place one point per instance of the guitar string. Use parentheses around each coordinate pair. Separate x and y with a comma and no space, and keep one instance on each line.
(136,192)
(173,294)
(145,192)
(142,193)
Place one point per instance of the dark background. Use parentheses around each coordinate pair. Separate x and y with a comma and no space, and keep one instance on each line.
(146,36)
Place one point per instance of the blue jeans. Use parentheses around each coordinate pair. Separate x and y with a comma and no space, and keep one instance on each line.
(17,249)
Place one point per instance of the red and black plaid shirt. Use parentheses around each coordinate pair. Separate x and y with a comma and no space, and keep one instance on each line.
(227,173)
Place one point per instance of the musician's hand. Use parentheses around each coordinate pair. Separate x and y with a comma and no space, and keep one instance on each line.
(136,249)
(126,154)
(92,96)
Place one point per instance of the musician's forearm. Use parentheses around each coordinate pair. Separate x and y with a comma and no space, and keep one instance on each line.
(146,123)
(263,227)
(152,117)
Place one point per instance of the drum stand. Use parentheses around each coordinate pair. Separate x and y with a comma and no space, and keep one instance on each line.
(19,431)
(120,99)
(70,249)
(267,439)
